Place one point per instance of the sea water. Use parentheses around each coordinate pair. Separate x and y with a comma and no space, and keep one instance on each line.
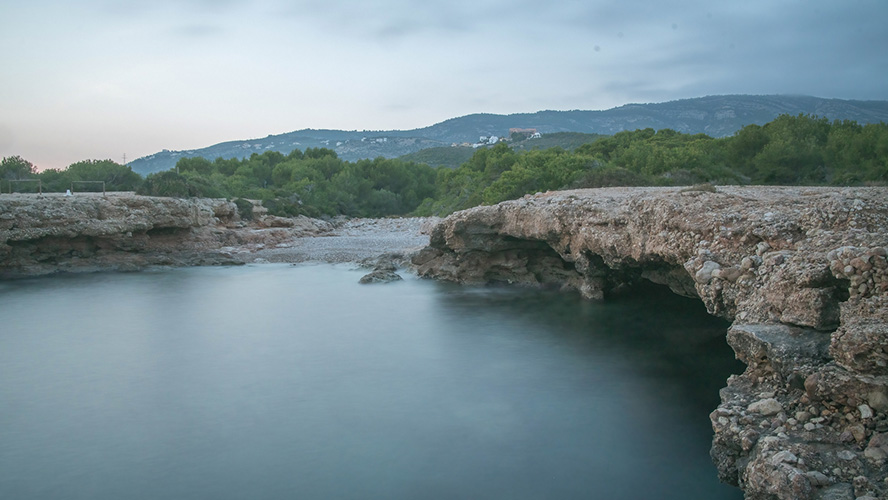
(277,381)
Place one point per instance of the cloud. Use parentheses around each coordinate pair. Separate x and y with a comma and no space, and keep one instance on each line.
(133,8)
(384,22)
(239,68)
(198,31)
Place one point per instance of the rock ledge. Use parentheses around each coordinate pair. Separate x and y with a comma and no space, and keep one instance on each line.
(121,231)
(801,272)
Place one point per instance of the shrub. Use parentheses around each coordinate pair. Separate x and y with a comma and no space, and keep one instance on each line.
(244,208)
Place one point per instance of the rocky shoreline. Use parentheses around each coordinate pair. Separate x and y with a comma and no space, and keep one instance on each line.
(125,232)
(801,273)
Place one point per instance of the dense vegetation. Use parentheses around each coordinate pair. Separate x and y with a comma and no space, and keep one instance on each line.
(315,182)
(444,156)
(452,157)
(564,140)
(81,176)
(788,150)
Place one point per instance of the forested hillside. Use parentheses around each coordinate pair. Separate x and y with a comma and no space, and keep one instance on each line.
(716,116)
(790,150)
(455,156)
(800,150)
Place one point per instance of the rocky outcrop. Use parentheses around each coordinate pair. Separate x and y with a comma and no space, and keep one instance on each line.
(121,231)
(380,276)
(801,272)
(383,268)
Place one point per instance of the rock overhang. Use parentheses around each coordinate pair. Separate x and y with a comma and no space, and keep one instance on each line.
(800,271)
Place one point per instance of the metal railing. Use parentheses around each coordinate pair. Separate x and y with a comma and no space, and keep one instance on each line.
(38,181)
(89,182)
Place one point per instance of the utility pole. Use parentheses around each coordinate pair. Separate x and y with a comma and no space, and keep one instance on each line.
(124,159)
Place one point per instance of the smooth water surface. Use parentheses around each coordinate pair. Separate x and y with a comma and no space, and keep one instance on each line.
(277,381)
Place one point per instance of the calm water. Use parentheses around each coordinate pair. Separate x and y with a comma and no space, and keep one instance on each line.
(296,382)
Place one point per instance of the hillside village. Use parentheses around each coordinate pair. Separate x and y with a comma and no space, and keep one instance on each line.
(515,134)
(715,116)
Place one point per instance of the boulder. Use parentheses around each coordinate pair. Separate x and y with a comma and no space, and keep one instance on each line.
(380,276)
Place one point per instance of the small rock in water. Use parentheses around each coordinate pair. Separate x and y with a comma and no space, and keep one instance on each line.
(380,276)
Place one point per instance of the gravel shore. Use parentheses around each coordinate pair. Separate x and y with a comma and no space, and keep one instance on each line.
(352,240)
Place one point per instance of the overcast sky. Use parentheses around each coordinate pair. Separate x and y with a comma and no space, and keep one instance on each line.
(97,79)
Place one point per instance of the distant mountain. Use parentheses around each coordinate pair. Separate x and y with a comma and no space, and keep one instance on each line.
(716,116)
(449,156)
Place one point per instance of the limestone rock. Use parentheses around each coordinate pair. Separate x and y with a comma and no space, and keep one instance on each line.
(865,411)
(817,478)
(801,273)
(858,432)
(384,267)
(705,273)
(766,407)
(877,449)
(841,491)
(380,276)
(858,343)
(779,349)
(52,233)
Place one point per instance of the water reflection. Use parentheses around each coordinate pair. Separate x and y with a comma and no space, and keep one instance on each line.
(659,334)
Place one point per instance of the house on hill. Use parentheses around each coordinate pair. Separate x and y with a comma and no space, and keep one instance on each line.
(523,133)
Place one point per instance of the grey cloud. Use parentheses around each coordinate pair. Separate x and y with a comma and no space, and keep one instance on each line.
(620,17)
(395,30)
(785,48)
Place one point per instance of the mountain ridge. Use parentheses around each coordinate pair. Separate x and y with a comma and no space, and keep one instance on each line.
(717,116)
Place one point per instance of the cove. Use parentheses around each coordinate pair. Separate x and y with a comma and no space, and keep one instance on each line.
(277,381)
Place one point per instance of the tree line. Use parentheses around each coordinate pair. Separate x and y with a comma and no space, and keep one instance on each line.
(790,150)
(314,182)
(115,176)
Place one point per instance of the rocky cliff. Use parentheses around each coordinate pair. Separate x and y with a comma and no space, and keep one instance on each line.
(801,272)
(51,233)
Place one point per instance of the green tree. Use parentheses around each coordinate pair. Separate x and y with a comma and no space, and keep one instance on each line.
(169,183)
(742,148)
(196,164)
(54,180)
(15,167)
(116,177)
(794,152)
(857,154)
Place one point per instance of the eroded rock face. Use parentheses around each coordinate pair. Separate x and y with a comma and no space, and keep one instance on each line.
(800,271)
(51,233)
